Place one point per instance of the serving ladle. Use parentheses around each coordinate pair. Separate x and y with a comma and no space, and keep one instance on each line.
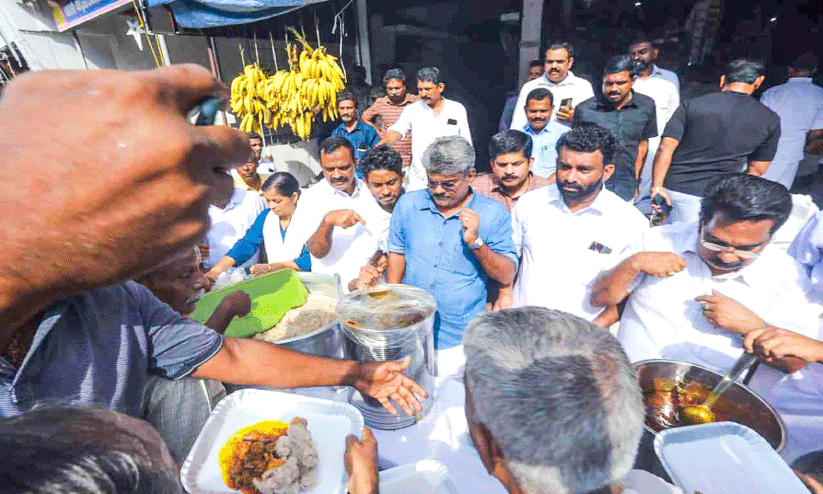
(702,414)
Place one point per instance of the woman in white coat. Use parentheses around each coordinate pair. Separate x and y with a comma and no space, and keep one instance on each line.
(281,192)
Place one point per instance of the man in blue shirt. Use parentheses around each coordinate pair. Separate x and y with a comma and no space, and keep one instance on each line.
(449,240)
(363,137)
(544,132)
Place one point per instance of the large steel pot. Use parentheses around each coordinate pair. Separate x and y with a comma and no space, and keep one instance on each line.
(326,341)
(744,405)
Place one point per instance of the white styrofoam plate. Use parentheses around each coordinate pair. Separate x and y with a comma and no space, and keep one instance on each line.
(724,458)
(329,423)
(423,477)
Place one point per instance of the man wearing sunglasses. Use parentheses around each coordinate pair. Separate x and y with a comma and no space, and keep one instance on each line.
(695,290)
(449,240)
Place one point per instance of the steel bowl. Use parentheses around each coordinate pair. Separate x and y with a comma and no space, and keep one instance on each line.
(741,404)
(326,341)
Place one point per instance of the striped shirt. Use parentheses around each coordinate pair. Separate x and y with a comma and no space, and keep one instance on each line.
(389,113)
(488,185)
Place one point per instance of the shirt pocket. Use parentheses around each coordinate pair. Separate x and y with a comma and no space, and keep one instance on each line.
(461,260)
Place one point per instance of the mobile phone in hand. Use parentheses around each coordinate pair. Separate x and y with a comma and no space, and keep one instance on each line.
(566,103)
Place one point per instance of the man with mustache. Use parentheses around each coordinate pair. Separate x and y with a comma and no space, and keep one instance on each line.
(559,79)
(388,109)
(543,131)
(695,289)
(664,88)
(246,175)
(432,117)
(630,117)
(574,230)
(450,241)
(338,217)
(511,175)
(361,136)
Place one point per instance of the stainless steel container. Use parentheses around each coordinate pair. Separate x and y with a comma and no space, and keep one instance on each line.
(746,406)
(326,341)
(390,322)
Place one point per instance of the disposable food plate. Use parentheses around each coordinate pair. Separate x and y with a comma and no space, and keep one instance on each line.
(724,458)
(423,477)
(329,423)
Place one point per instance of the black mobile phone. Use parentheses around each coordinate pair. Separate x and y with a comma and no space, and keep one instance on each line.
(206,111)
(565,102)
(664,206)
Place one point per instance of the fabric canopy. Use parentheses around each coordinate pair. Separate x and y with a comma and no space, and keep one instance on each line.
(199,14)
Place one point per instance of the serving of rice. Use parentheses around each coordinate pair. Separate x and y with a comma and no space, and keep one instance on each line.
(318,311)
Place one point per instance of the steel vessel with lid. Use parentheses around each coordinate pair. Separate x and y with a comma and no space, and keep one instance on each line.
(390,322)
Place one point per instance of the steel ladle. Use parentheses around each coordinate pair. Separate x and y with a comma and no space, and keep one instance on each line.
(702,414)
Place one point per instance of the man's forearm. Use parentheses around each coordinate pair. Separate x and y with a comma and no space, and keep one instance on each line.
(319,243)
(392,136)
(642,150)
(254,362)
(612,287)
(757,168)
(497,266)
(662,161)
(396,268)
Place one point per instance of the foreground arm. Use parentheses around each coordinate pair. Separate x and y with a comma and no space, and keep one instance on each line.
(613,286)
(757,168)
(254,362)
(58,244)
(319,243)
(392,136)
(642,151)
(361,463)
(660,167)
(397,268)
(236,304)
(771,342)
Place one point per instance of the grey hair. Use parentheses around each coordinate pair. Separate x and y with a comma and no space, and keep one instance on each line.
(558,395)
(429,74)
(394,74)
(449,155)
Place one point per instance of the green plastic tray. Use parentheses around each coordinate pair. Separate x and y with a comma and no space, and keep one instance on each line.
(272,295)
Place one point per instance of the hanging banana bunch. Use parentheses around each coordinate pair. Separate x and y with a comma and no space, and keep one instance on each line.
(247,99)
(294,97)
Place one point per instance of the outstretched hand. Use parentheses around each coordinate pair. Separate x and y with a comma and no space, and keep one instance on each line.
(384,381)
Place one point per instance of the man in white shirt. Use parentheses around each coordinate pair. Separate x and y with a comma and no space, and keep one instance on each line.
(799,103)
(229,223)
(338,217)
(432,117)
(568,89)
(695,288)
(663,87)
(567,234)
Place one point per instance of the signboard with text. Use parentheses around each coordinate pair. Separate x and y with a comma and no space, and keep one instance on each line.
(70,13)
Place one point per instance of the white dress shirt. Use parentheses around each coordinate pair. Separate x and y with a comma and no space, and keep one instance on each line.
(662,319)
(799,103)
(351,247)
(666,95)
(419,119)
(558,264)
(576,88)
(229,224)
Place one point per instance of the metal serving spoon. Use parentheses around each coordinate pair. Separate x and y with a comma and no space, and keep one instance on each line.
(702,414)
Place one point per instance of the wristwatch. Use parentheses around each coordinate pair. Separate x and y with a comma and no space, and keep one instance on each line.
(478,242)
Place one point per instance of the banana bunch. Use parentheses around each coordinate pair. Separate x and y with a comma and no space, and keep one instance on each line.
(294,97)
(247,100)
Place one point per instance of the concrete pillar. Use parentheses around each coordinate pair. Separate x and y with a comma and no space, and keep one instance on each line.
(530,34)
(363,38)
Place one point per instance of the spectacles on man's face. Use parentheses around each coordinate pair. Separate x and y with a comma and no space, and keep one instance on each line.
(745,253)
(449,185)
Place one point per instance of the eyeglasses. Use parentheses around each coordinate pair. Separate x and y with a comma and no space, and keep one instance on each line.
(449,185)
(742,254)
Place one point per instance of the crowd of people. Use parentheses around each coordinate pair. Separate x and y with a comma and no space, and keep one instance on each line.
(553,264)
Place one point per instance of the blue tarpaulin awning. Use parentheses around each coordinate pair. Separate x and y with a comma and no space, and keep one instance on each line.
(201,14)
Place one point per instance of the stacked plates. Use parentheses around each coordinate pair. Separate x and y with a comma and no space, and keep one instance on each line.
(377,417)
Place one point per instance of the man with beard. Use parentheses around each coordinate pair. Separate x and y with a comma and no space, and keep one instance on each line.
(246,175)
(695,289)
(568,89)
(338,218)
(362,137)
(432,117)
(383,169)
(664,88)
(630,117)
(450,241)
(511,175)
(388,109)
(573,231)
(543,131)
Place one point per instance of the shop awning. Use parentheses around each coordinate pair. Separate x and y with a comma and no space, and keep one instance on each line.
(199,14)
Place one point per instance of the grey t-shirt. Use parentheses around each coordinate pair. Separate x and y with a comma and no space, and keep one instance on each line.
(98,348)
